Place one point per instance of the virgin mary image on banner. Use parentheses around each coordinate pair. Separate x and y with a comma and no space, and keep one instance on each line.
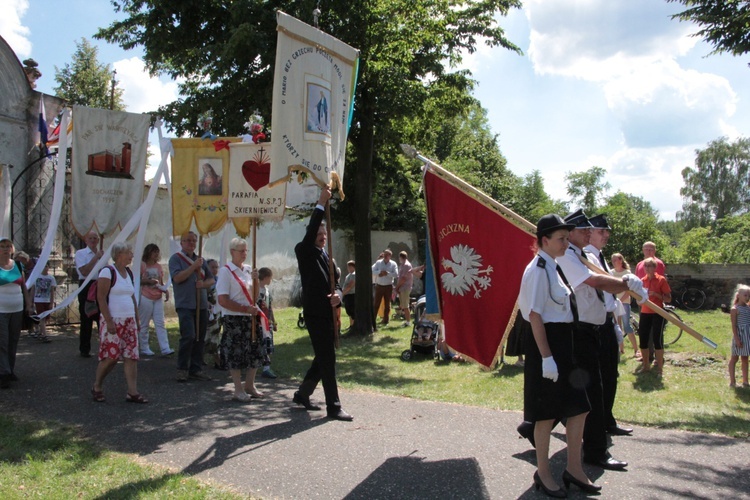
(210,180)
(318,116)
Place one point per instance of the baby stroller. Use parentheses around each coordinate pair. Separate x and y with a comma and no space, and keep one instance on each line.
(424,335)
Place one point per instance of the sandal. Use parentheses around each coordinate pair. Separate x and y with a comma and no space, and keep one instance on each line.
(135,398)
(97,395)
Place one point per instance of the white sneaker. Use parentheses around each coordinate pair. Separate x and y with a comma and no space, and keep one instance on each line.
(168,352)
(147,353)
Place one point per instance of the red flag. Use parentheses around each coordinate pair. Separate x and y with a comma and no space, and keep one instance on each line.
(479,258)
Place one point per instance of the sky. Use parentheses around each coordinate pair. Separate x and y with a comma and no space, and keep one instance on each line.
(610,83)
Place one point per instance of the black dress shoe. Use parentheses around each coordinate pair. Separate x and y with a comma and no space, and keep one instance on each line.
(526,430)
(558,493)
(305,401)
(607,462)
(568,478)
(616,430)
(340,415)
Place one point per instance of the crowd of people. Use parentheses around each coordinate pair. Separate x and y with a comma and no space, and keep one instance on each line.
(574,314)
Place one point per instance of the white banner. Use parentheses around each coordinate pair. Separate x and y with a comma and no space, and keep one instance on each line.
(109,168)
(249,173)
(313,94)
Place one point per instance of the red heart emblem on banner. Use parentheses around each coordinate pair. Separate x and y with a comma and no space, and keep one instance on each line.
(256,174)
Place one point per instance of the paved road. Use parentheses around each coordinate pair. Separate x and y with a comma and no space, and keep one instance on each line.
(395,448)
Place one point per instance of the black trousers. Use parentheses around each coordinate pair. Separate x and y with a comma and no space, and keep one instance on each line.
(587,341)
(87,324)
(609,359)
(323,366)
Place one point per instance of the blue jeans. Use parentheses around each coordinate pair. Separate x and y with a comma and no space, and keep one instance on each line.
(626,319)
(190,351)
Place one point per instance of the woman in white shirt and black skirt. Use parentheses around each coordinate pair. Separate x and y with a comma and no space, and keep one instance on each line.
(549,396)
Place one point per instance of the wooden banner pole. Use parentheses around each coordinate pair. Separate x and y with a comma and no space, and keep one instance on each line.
(256,284)
(198,295)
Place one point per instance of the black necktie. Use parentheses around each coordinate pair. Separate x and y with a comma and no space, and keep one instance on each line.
(573,303)
(599,293)
(603,261)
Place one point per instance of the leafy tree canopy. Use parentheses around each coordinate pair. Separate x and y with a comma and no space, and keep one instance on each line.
(724,23)
(87,82)
(587,188)
(719,185)
(634,221)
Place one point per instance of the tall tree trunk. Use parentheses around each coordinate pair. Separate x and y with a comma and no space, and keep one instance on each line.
(362,241)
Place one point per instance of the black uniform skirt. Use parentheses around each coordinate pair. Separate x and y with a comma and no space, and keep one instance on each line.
(544,399)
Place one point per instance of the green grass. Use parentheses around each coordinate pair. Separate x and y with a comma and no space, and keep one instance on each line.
(694,393)
(50,460)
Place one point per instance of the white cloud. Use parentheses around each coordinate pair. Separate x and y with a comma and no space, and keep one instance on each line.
(11,29)
(141,92)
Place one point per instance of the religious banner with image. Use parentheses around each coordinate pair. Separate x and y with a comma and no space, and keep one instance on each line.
(249,193)
(108,168)
(314,83)
(200,190)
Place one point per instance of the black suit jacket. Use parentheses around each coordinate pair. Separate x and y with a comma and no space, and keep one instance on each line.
(313,269)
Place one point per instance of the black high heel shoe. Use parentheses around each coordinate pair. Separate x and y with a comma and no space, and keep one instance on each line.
(558,493)
(568,478)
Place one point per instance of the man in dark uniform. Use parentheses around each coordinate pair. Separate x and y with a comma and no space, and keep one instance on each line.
(609,354)
(317,306)
(589,288)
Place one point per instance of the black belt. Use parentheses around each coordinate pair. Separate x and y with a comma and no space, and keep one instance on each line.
(382,285)
(590,325)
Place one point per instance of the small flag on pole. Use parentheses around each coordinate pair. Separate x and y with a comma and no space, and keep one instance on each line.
(42,127)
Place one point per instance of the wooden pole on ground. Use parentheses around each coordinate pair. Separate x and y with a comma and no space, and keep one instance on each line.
(198,294)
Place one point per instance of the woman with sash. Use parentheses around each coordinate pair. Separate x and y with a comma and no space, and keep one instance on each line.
(234,290)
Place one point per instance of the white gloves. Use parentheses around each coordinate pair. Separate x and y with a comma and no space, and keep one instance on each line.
(632,281)
(549,368)
(642,292)
(636,285)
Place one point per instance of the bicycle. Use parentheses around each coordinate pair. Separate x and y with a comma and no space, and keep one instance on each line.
(693,299)
(671,333)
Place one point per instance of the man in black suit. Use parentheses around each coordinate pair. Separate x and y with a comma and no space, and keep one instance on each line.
(317,306)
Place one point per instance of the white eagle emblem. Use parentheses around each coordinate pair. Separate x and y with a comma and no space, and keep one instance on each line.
(467,272)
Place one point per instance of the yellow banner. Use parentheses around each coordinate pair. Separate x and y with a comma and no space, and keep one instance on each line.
(200,186)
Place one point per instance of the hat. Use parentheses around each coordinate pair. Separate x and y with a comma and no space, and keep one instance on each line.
(578,219)
(600,222)
(5,238)
(551,223)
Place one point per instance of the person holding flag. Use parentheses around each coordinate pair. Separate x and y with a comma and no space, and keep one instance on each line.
(546,301)
(191,279)
(590,287)
(317,306)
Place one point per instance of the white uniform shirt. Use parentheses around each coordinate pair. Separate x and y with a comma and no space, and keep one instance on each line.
(226,284)
(544,292)
(590,308)
(609,299)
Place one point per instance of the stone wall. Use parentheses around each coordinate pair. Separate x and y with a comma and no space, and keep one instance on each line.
(717,281)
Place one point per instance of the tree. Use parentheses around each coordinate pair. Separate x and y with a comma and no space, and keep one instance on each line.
(718,186)
(531,200)
(634,221)
(724,24)
(407,52)
(86,81)
(586,188)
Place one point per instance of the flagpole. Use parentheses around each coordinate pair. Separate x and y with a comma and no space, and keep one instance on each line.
(486,200)
(475,193)
(332,275)
(198,295)
(255,280)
